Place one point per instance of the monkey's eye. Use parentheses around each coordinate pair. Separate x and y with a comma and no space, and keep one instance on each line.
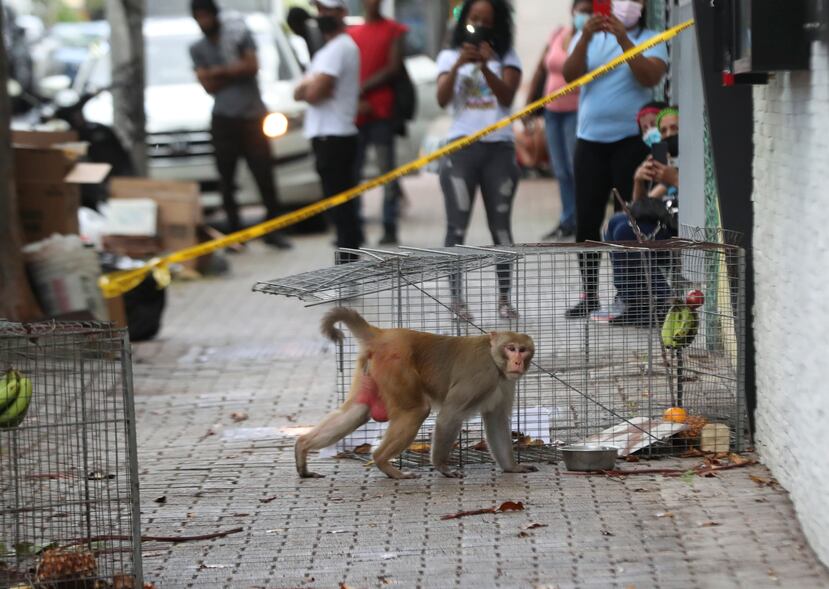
(510,348)
(522,350)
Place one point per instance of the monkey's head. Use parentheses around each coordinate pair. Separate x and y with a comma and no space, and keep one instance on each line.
(512,352)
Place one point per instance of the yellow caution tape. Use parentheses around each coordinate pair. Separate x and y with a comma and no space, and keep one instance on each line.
(117,283)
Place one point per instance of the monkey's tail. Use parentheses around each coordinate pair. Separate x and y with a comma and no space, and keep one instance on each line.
(361,328)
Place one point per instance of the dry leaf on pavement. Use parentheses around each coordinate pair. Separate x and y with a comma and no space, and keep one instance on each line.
(363,449)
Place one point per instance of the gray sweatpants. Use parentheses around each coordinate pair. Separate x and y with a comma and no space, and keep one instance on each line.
(492,168)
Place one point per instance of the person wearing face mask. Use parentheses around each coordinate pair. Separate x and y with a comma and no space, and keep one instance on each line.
(561,116)
(646,119)
(226,66)
(331,87)
(478,77)
(609,146)
(654,208)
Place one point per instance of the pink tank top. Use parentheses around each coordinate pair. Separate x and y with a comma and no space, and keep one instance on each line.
(556,56)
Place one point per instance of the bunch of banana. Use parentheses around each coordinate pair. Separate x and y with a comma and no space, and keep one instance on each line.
(15,396)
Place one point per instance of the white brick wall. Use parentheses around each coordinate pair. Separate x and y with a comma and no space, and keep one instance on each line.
(791,252)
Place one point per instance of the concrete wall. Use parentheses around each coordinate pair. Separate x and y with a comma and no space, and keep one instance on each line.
(791,249)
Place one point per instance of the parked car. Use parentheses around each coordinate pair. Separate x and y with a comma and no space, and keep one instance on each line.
(178,109)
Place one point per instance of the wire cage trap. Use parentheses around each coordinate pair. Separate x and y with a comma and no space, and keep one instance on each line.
(653,364)
(69,504)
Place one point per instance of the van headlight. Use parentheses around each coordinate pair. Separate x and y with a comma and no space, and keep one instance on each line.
(275,125)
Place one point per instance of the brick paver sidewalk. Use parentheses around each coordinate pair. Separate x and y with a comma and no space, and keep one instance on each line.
(226,350)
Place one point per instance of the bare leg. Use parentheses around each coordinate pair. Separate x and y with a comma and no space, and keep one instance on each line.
(334,427)
(499,439)
(447,428)
(399,436)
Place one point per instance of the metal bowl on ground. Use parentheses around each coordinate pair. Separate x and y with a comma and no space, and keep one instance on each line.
(589,457)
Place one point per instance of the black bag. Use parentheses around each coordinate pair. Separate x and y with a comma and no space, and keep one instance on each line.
(405,101)
(654,210)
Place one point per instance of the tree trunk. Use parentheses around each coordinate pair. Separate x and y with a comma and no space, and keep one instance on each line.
(126,19)
(16,300)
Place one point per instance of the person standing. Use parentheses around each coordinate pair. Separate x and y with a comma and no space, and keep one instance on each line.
(226,66)
(331,88)
(561,116)
(609,146)
(380,41)
(478,77)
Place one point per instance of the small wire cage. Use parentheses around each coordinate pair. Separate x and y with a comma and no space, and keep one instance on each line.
(652,362)
(69,503)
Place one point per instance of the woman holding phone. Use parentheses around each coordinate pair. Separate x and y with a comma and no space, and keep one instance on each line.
(478,77)
(609,147)
(561,116)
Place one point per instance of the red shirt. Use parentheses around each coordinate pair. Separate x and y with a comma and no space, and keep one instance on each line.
(375,40)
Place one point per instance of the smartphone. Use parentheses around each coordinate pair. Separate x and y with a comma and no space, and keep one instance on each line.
(476,35)
(601,7)
(660,152)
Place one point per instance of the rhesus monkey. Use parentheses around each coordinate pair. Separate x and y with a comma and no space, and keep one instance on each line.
(401,374)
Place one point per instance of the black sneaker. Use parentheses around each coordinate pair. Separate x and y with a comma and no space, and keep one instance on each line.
(388,239)
(277,240)
(583,309)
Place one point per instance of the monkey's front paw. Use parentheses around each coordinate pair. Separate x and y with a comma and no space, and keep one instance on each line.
(519,468)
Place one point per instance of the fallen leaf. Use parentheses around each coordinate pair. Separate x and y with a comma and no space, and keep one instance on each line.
(123,582)
(688,476)
(737,459)
(241,515)
(505,506)
(523,535)
(631,458)
(692,453)
(763,482)
(607,533)
(384,580)
(511,506)
(481,446)
(363,449)
(709,524)
(268,499)
(238,416)
(528,442)
(533,526)
(421,448)
(665,514)
(162,499)
(640,490)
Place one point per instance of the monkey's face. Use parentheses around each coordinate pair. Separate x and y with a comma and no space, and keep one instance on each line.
(513,353)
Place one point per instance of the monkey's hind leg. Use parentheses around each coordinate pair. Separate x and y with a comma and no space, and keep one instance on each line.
(401,432)
(334,427)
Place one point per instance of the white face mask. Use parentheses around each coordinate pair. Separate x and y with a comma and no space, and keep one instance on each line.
(627,11)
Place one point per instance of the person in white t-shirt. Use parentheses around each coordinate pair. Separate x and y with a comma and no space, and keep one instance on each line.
(331,87)
(478,77)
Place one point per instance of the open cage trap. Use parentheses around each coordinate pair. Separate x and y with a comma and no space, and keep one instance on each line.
(69,505)
(600,379)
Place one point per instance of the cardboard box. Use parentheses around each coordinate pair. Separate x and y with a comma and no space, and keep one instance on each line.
(116,311)
(137,247)
(48,180)
(179,209)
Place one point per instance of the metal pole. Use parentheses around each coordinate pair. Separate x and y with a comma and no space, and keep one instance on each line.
(740,311)
(132,456)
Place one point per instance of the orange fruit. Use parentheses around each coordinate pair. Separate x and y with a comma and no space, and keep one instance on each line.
(675,414)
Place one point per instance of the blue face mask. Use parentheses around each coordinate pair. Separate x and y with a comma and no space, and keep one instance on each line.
(652,136)
(580,19)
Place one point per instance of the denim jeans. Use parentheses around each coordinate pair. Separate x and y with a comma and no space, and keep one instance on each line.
(629,268)
(380,134)
(561,142)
